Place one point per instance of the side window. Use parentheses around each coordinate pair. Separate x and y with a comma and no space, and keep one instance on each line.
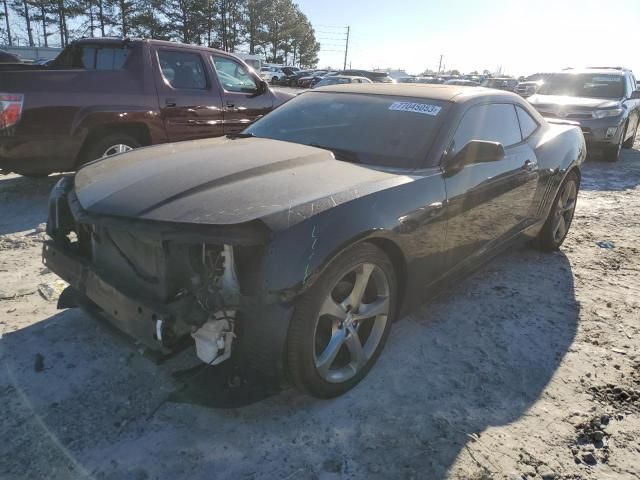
(527,124)
(183,70)
(630,86)
(233,76)
(495,122)
(93,57)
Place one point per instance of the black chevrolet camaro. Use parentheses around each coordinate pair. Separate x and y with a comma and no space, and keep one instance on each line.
(296,244)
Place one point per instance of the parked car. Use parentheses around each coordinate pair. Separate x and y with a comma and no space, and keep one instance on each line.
(462,82)
(305,80)
(105,96)
(273,74)
(376,77)
(527,88)
(429,80)
(340,80)
(291,80)
(500,83)
(310,80)
(6,57)
(299,241)
(605,102)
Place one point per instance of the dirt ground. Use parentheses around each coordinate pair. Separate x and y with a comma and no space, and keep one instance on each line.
(530,370)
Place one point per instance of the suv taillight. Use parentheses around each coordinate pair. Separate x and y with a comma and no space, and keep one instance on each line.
(10,109)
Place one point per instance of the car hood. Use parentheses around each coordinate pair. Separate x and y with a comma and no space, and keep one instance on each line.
(280,97)
(223,182)
(563,101)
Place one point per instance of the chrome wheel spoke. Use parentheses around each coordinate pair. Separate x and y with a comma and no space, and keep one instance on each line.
(330,307)
(325,360)
(358,357)
(380,306)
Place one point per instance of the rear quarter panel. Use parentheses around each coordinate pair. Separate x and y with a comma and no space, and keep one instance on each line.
(559,148)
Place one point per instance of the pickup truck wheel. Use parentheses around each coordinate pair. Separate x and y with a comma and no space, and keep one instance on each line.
(559,220)
(111,145)
(274,81)
(340,325)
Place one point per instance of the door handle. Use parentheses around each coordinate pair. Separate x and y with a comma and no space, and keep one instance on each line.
(170,102)
(529,166)
(232,107)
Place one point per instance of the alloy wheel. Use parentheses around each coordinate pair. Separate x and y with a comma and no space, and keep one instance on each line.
(115,149)
(351,323)
(564,210)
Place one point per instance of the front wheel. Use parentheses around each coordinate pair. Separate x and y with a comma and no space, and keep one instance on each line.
(560,217)
(631,140)
(340,325)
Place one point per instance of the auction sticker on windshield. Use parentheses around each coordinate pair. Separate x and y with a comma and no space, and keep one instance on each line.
(423,108)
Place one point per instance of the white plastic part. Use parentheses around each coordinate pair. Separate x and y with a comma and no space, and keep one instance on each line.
(214,338)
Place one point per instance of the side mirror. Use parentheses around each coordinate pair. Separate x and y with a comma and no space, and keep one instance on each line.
(476,151)
(635,95)
(262,87)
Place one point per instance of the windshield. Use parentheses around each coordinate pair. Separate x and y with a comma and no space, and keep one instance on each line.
(588,85)
(372,129)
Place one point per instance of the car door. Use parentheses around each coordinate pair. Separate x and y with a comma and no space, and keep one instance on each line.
(190,104)
(241,95)
(489,202)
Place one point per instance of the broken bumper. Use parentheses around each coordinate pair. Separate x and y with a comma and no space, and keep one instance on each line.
(153,325)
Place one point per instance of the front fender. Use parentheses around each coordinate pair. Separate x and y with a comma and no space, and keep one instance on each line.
(409,215)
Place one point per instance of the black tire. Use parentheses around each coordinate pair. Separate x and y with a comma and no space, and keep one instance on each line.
(548,239)
(302,339)
(612,153)
(100,146)
(628,143)
(274,81)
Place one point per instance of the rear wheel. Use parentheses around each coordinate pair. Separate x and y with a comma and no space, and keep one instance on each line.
(111,144)
(341,323)
(560,217)
(274,81)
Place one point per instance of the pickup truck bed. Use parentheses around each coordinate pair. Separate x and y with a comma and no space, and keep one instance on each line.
(104,96)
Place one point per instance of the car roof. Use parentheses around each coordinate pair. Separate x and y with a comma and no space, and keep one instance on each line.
(447,93)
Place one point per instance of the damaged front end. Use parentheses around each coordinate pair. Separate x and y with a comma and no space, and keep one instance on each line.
(158,283)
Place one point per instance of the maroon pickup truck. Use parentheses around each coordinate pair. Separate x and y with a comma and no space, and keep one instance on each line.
(105,96)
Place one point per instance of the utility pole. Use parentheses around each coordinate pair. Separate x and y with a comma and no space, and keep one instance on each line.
(6,17)
(346,49)
(440,64)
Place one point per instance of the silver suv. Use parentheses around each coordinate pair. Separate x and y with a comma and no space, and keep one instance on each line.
(604,101)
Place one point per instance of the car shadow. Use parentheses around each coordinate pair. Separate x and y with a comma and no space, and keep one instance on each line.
(613,176)
(28,199)
(477,356)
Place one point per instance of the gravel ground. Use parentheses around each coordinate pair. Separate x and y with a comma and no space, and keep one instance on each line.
(530,370)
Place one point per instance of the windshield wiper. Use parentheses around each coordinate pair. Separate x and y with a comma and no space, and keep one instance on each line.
(240,135)
(339,153)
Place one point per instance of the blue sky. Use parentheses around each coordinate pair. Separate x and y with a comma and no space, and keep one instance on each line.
(522,37)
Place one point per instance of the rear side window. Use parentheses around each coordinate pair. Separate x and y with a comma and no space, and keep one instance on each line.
(183,70)
(93,57)
(527,124)
(495,122)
